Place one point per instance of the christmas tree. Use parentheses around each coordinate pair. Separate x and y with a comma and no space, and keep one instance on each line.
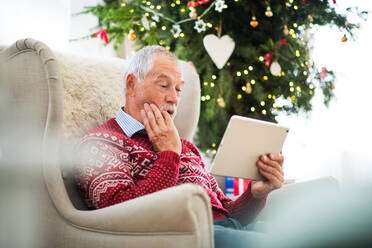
(252,56)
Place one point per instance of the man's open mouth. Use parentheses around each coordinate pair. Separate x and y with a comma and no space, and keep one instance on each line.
(172,110)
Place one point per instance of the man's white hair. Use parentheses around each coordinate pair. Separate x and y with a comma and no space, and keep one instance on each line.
(141,63)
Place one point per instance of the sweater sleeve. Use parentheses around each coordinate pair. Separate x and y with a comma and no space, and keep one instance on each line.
(106,175)
(245,208)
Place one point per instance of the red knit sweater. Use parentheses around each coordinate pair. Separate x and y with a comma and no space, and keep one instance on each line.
(114,168)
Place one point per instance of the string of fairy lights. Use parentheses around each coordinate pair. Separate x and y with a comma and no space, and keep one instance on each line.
(200,26)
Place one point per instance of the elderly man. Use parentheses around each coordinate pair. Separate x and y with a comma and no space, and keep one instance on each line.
(140,152)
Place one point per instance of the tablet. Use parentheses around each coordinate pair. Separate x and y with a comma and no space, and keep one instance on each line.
(245,139)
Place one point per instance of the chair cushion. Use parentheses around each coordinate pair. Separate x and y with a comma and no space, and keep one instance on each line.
(92,92)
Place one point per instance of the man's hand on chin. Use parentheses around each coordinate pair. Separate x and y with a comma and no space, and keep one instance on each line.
(161,130)
(271,167)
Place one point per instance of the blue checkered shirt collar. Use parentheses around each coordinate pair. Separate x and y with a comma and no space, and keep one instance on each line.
(128,124)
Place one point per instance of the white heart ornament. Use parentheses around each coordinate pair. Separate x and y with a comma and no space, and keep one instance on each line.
(219,49)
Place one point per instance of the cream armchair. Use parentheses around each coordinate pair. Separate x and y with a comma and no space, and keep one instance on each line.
(46,101)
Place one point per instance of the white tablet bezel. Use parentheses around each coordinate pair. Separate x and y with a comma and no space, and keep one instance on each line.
(245,139)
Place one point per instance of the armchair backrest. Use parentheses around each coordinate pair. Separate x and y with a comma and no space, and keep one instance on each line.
(64,96)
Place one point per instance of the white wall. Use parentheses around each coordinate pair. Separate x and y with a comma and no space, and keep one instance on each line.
(336,141)
(85,25)
(44,20)
(51,22)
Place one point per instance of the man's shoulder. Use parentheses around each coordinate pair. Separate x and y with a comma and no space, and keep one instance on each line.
(109,126)
(109,131)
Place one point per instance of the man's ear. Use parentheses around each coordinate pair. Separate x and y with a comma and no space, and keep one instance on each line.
(131,85)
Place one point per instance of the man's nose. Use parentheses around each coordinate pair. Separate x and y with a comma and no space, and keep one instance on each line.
(173,97)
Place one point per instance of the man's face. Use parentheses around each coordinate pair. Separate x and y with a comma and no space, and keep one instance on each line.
(162,86)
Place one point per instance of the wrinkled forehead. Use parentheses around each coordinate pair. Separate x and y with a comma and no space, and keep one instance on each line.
(164,64)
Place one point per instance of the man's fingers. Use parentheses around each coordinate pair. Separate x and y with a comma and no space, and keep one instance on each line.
(167,117)
(151,118)
(146,123)
(277,173)
(158,116)
(277,157)
(273,163)
(277,183)
(274,178)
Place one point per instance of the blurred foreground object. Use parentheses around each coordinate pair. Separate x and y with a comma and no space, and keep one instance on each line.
(319,214)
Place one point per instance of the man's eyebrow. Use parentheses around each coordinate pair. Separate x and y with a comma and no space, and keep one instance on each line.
(162,76)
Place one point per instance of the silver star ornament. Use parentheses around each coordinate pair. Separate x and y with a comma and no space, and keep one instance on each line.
(176,30)
(200,26)
(219,5)
(155,17)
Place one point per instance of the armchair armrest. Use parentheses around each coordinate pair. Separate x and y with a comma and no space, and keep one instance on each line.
(184,208)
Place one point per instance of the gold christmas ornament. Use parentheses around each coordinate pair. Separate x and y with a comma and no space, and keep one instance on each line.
(332,86)
(254,22)
(268,12)
(221,102)
(249,88)
(132,35)
(344,38)
(285,30)
(192,13)
(310,18)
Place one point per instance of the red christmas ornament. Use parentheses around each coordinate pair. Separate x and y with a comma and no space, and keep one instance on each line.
(191,4)
(268,56)
(197,3)
(324,73)
(280,42)
(102,34)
